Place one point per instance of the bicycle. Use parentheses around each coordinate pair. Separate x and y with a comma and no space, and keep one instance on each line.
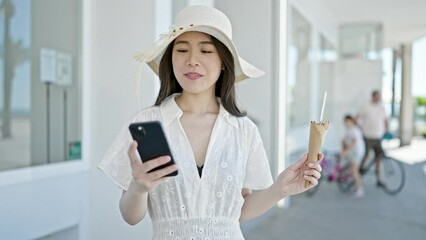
(392,172)
(334,169)
(331,168)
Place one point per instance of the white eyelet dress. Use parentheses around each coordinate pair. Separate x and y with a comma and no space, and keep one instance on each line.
(187,206)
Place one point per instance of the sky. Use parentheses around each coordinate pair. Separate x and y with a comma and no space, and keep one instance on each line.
(419,68)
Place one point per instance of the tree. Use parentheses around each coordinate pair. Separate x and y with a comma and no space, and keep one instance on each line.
(14,53)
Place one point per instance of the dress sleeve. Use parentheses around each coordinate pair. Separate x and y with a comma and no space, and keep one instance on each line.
(258,173)
(116,162)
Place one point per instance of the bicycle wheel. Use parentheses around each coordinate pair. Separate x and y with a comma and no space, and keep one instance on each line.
(345,181)
(393,175)
(365,167)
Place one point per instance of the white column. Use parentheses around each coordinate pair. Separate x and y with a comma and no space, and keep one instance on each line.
(395,56)
(406,110)
(279,60)
(314,75)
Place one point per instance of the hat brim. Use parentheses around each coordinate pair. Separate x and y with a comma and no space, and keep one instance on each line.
(152,56)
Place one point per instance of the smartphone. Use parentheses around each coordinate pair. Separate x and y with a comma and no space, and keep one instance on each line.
(152,142)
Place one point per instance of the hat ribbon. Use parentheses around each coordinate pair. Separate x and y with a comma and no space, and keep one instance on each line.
(164,37)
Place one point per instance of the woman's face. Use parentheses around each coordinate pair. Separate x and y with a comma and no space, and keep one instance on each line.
(196,62)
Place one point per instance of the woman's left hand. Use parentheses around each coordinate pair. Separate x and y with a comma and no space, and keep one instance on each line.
(292,180)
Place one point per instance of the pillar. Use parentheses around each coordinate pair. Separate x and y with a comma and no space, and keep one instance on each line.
(406,119)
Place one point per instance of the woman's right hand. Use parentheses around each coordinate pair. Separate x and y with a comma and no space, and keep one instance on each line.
(143,179)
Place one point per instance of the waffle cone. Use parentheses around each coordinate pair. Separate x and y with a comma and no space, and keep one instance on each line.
(317,134)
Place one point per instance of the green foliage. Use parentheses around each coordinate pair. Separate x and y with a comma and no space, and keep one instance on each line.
(421,101)
(423,132)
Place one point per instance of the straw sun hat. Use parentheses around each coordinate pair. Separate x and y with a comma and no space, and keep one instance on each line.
(200,19)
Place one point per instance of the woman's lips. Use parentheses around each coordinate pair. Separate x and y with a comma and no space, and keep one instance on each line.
(193,75)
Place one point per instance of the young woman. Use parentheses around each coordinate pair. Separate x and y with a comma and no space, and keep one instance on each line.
(224,175)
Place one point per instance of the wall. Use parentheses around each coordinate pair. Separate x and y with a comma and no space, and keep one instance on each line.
(38,201)
(55,25)
(253,39)
(117,31)
(355,79)
(326,80)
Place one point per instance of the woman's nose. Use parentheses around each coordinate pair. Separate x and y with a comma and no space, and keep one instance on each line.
(192,59)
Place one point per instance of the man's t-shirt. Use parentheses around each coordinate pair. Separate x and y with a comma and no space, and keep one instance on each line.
(372,118)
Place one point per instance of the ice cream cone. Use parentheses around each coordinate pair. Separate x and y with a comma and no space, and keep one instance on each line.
(317,134)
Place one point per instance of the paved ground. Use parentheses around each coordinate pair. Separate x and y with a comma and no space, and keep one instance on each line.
(332,215)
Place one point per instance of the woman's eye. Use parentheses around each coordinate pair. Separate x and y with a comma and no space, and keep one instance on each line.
(182,50)
(206,51)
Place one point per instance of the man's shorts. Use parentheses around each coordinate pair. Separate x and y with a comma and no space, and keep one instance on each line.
(375,144)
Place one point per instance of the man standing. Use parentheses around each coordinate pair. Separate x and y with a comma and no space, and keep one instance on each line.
(374,124)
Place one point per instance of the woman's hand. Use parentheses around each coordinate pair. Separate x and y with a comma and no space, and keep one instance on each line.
(143,180)
(292,180)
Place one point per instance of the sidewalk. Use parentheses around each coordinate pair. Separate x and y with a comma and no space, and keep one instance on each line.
(332,215)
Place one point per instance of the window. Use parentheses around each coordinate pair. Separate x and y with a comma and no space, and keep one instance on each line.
(298,78)
(40,83)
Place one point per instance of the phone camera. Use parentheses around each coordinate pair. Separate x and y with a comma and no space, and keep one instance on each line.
(141,131)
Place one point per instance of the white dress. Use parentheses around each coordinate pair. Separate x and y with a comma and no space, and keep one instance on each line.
(357,153)
(187,206)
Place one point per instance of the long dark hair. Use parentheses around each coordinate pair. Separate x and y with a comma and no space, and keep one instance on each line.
(225,85)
